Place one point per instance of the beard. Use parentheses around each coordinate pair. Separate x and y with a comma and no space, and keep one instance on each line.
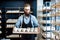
(27,14)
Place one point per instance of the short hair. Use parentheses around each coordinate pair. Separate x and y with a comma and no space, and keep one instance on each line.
(26,5)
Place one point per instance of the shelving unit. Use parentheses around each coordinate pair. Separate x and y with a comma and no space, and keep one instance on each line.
(57,14)
(45,20)
(12,14)
(57,5)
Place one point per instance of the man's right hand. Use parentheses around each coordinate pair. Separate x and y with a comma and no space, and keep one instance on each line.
(15,29)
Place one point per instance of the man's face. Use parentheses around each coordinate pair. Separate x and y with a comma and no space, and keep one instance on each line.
(27,10)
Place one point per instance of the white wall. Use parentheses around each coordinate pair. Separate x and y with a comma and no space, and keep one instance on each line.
(39,6)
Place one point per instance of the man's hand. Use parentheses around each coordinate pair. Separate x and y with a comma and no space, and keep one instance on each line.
(15,29)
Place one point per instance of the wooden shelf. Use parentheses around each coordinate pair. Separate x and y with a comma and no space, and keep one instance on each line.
(49,15)
(0,22)
(50,22)
(0,16)
(0,27)
(46,21)
(56,14)
(47,28)
(0,32)
(13,11)
(0,11)
(44,10)
(46,15)
(10,26)
(12,36)
(11,21)
(56,23)
(57,5)
(16,11)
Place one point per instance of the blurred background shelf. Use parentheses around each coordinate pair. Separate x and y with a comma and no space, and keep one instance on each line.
(0,32)
(11,21)
(0,27)
(49,15)
(0,16)
(10,26)
(0,11)
(0,21)
(12,36)
(15,11)
(56,5)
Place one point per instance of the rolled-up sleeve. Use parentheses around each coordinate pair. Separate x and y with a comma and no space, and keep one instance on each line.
(18,23)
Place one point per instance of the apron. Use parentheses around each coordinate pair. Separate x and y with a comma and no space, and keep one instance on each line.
(27,36)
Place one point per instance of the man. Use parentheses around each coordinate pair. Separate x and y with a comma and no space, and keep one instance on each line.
(27,20)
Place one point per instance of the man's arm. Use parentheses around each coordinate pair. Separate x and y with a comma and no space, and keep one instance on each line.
(35,22)
(18,23)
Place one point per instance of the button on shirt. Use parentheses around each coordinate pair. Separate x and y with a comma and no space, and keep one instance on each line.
(26,20)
